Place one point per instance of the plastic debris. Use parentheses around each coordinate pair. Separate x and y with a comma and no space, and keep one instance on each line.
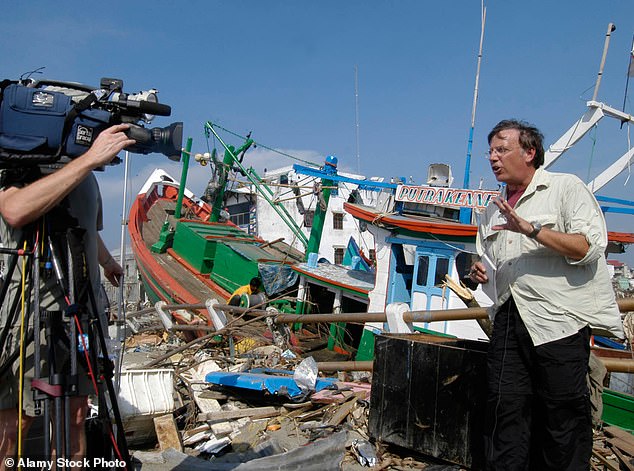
(214,445)
(306,374)
(288,355)
(365,453)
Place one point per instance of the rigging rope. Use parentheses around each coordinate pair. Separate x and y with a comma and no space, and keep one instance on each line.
(265,147)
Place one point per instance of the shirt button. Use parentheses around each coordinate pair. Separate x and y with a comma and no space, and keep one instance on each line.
(510,242)
(510,263)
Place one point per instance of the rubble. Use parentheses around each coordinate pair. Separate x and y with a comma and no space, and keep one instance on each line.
(226,426)
(613,450)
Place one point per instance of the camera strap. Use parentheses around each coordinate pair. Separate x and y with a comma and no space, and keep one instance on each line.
(75,111)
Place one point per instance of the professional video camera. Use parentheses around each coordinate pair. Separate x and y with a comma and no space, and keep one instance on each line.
(45,122)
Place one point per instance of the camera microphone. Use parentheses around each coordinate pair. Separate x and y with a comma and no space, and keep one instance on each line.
(149,107)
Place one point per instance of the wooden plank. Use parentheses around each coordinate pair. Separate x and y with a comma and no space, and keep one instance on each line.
(253,412)
(620,438)
(344,391)
(167,432)
(611,465)
(342,411)
(625,460)
(217,395)
(622,445)
(613,431)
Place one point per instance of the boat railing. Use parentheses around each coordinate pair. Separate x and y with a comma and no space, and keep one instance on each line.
(169,189)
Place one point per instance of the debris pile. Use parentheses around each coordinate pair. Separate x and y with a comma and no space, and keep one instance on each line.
(613,450)
(239,403)
(259,401)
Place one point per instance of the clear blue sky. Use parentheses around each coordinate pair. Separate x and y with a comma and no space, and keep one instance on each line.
(285,70)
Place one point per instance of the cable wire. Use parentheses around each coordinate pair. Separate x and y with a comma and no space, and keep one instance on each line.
(21,374)
(263,146)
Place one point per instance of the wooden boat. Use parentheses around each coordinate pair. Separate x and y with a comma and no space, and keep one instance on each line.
(188,259)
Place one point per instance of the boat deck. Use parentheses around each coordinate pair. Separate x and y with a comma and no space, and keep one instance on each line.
(151,230)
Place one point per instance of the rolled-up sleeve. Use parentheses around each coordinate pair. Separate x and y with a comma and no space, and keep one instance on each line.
(583,215)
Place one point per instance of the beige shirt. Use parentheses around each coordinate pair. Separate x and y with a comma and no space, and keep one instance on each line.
(555,296)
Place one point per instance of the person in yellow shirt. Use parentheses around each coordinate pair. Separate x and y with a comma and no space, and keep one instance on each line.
(254,287)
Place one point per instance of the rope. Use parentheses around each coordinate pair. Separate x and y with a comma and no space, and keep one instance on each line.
(263,146)
(458,249)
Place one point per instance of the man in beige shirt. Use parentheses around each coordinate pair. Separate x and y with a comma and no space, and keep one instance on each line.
(545,237)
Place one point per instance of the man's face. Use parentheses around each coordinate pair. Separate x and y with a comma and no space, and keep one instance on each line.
(509,162)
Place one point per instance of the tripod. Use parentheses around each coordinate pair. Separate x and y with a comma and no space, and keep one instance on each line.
(70,339)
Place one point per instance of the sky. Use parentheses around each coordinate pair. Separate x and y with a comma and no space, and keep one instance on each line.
(285,71)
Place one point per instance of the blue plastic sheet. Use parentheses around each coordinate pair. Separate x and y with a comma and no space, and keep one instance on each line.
(277,382)
(277,277)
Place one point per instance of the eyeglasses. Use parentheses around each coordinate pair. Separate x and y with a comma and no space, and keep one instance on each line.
(499,151)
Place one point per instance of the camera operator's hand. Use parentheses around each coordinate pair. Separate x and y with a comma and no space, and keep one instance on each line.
(108,144)
(23,205)
(111,268)
(113,272)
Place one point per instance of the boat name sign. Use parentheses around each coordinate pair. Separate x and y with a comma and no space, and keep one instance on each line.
(445,196)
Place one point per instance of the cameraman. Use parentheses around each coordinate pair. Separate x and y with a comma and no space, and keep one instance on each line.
(74,189)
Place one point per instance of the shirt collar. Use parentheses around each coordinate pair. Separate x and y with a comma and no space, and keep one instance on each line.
(541,179)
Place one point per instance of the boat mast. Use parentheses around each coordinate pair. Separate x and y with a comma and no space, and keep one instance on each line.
(321,209)
(356,115)
(465,214)
(606,45)
(183,182)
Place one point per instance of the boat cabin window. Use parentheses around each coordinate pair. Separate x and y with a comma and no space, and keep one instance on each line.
(464,260)
(432,264)
(421,273)
(442,268)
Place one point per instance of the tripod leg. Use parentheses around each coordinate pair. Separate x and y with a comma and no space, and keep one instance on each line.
(71,388)
(107,378)
(47,427)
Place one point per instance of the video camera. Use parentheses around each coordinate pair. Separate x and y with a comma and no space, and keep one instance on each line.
(45,122)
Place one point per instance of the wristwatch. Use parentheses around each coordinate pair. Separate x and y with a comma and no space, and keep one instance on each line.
(536,228)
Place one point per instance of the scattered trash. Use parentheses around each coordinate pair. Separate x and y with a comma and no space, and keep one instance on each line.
(214,445)
(288,355)
(306,374)
(245,399)
(365,452)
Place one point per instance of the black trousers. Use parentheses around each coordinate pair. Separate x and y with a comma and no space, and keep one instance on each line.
(538,405)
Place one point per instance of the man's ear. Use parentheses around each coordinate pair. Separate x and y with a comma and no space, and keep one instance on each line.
(529,156)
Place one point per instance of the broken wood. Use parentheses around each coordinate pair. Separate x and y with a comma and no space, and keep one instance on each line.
(167,432)
(611,465)
(342,411)
(625,460)
(466,295)
(253,412)
(217,395)
(620,438)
